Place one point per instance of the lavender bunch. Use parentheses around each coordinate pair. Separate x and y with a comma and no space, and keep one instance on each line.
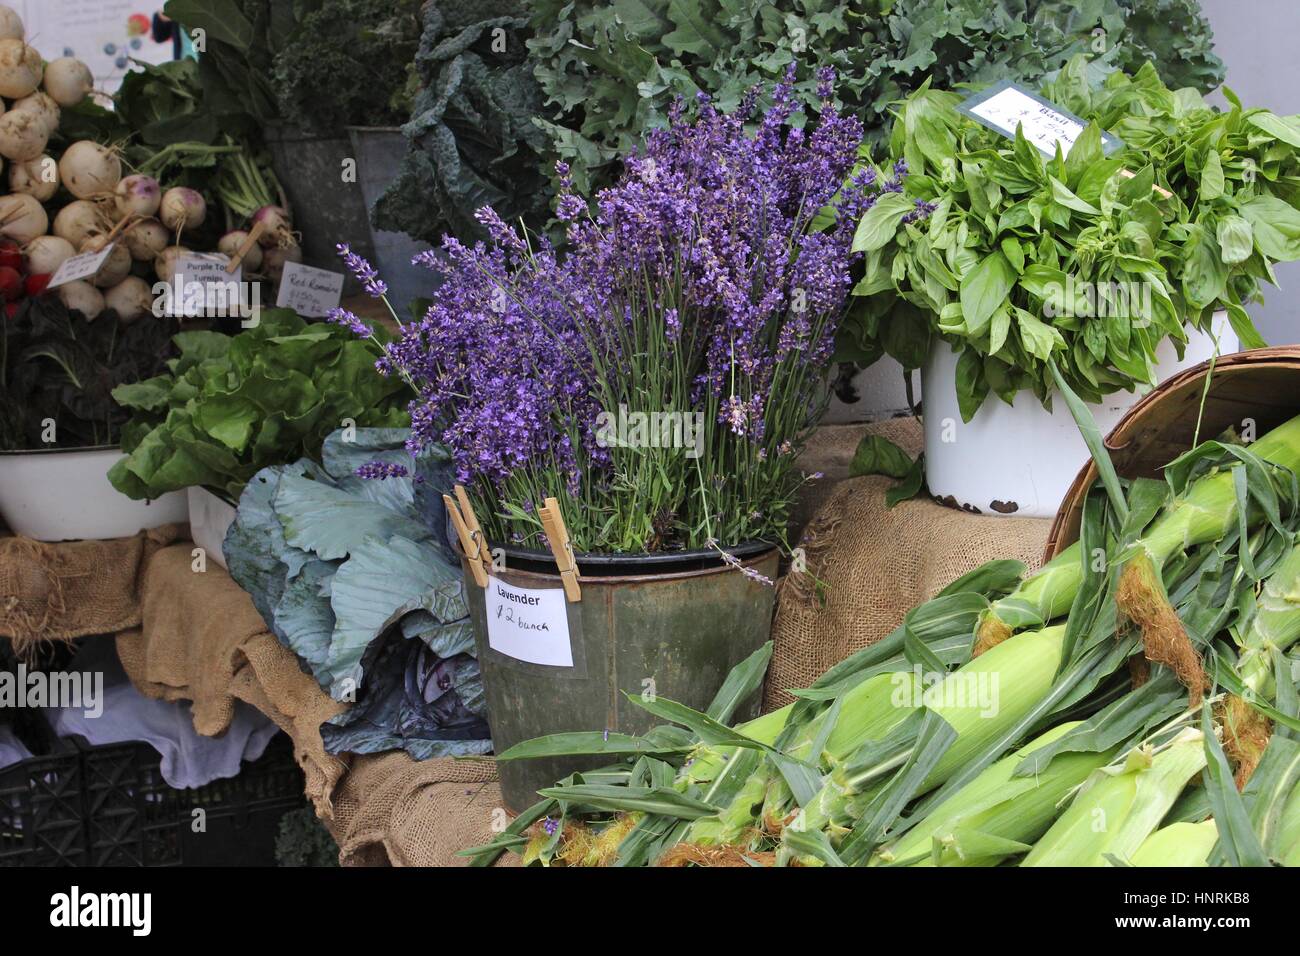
(659,376)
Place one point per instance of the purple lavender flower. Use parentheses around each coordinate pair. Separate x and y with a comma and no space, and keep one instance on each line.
(922,210)
(365,273)
(350,321)
(379,470)
(701,256)
(550,826)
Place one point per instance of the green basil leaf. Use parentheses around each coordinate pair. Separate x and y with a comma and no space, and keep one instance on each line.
(984,289)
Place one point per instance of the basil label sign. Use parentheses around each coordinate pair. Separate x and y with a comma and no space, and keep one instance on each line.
(1007,105)
(528,624)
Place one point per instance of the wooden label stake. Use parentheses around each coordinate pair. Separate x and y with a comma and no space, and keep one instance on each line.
(238,257)
(558,536)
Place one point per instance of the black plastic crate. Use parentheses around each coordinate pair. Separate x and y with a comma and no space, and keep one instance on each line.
(109,806)
(42,817)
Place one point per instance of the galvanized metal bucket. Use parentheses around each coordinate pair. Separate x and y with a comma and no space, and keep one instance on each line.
(327,208)
(671,625)
(379,151)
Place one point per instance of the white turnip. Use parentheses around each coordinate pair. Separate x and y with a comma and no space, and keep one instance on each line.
(232,242)
(182,209)
(46,253)
(130,299)
(145,239)
(22,218)
(11,24)
(68,80)
(22,135)
(43,107)
(115,268)
(77,221)
(276,226)
(37,177)
(88,169)
(165,265)
(275,258)
(138,196)
(20,68)
(82,297)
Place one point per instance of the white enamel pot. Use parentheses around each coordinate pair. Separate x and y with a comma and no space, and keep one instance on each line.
(63,494)
(1020,459)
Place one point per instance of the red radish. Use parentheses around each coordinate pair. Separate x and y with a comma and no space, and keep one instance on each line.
(11,255)
(276,226)
(35,284)
(11,284)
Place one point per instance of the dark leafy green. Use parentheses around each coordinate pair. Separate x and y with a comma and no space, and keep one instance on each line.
(473,140)
(229,406)
(56,366)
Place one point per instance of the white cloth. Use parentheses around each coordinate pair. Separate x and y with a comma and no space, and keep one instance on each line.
(11,748)
(188,759)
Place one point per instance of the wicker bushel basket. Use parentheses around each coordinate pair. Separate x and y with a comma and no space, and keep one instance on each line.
(1262,385)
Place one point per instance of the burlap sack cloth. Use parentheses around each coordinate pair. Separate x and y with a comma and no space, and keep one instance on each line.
(875,563)
(57,592)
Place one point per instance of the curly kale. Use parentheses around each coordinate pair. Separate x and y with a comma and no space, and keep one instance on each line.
(472,132)
(349,64)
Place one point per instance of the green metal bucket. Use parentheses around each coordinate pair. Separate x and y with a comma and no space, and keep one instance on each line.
(667,625)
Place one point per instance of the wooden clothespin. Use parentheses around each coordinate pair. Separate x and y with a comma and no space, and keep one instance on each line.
(1164,193)
(238,257)
(558,536)
(472,540)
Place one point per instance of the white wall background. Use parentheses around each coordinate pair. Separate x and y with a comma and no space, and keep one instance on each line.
(98,32)
(1257,40)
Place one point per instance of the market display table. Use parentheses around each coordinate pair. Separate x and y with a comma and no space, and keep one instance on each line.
(185,630)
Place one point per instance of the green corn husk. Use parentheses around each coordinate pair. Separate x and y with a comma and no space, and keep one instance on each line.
(867,712)
(995,805)
(1043,596)
(1289,831)
(1115,815)
(1179,844)
(1022,671)
(1206,512)
(1275,625)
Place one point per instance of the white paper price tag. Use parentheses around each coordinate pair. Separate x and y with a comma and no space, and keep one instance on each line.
(528,624)
(310,292)
(79,267)
(1005,107)
(203,288)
